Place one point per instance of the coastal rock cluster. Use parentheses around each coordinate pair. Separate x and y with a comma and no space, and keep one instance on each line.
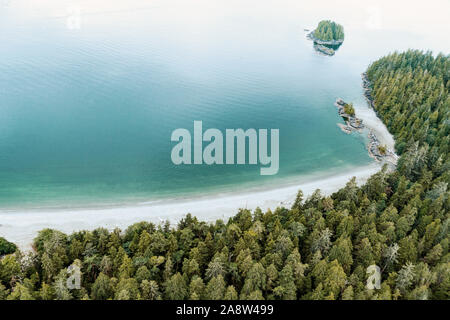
(368,91)
(376,150)
(324,42)
(352,123)
(323,49)
(327,47)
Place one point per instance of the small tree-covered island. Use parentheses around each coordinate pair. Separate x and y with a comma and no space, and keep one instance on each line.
(322,247)
(327,37)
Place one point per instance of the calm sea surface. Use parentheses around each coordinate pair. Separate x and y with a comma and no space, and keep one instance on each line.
(90,92)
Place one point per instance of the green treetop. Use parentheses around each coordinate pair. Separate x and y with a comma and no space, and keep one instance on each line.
(328,30)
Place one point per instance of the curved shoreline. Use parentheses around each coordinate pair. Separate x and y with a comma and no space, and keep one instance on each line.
(21,227)
(378,138)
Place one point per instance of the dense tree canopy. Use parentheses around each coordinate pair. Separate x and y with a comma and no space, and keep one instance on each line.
(321,248)
(329,30)
(6,247)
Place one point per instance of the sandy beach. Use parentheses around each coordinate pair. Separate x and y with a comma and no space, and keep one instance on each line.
(21,227)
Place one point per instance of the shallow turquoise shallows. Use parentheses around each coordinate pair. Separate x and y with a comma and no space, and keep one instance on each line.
(86,113)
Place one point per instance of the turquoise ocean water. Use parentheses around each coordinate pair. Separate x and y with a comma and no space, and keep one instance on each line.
(86,113)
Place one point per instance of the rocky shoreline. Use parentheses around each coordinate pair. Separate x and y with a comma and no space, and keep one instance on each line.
(324,42)
(376,150)
(352,123)
(323,46)
(374,145)
(368,91)
(325,50)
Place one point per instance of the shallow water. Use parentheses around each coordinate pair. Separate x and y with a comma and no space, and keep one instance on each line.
(88,102)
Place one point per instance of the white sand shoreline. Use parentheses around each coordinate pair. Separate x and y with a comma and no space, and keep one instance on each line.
(21,226)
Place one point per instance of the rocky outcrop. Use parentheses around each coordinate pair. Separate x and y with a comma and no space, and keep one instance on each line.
(322,46)
(368,91)
(374,147)
(325,50)
(376,150)
(324,42)
(353,123)
(379,152)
